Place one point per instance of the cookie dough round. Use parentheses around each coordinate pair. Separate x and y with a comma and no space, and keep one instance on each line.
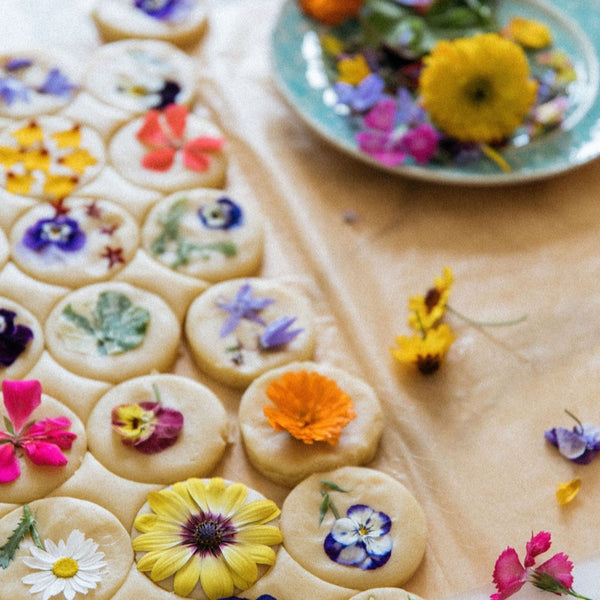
(198,449)
(112,331)
(48,157)
(224,326)
(386,593)
(4,249)
(373,490)
(56,518)
(118,19)
(201,141)
(137,75)
(85,242)
(205,234)
(287,460)
(21,340)
(37,481)
(35,82)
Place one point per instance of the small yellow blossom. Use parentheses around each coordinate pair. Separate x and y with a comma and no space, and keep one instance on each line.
(353,70)
(567,491)
(426,311)
(529,33)
(332,45)
(425,351)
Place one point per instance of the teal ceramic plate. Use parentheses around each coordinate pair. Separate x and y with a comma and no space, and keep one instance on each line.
(575,24)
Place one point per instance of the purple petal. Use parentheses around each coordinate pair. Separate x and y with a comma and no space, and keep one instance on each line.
(368,92)
(166,431)
(570,444)
(13,338)
(57,84)
(278,333)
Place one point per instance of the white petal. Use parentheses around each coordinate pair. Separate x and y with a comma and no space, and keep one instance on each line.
(351,555)
(345,531)
(38,580)
(42,556)
(56,587)
(378,546)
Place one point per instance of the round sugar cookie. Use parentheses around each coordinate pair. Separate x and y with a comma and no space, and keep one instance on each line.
(386,593)
(82,241)
(48,157)
(205,234)
(374,507)
(84,524)
(195,451)
(137,75)
(35,82)
(209,511)
(181,22)
(112,331)
(288,460)
(170,150)
(21,340)
(37,481)
(226,327)
(4,249)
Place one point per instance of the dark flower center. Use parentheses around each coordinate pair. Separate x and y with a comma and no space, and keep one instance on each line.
(479,90)
(208,533)
(432,299)
(428,364)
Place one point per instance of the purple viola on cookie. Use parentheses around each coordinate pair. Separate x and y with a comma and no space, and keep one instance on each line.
(14,337)
(165,10)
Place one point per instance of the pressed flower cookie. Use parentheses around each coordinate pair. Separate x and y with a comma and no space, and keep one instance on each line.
(240,328)
(169,150)
(112,331)
(224,530)
(181,22)
(75,242)
(158,428)
(21,340)
(137,75)
(47,447)
(34,82)
(322,418)
(378,540)
(48,156)
(206,234)
(85,548)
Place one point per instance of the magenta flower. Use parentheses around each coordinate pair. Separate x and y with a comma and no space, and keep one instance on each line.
(41,441)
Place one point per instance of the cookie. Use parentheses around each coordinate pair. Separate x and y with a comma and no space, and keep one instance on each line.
(378,540)
(170,150)
(48,157)
(306,393)
(34,82)
(75,242)
(138,75)
(112,332)
(386,594)
(4,249)
(157,429)
(85,546)
(181,22)
(205,234)
(241,328)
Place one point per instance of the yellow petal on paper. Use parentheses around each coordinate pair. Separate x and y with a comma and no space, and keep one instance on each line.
(38,159)
(9,156)
(29,135)
(71,138)
(59,186)
(567,491)
(19,184)
(78,160)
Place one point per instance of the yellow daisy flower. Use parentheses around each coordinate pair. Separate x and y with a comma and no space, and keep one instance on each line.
(206,531)
(426,311)
(425,351)
(477,89)
(528,33)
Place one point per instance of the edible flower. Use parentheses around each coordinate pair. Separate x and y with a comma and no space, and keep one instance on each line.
(261,597)
(309,406)
(566,492)
(164,133)
(165,10)
(41,441)
(527,32)
(223,213)
(360,539)
(425,350)
(206,530)
(57,84)
(12,90)
(426,310)
(243,306)
(13,337)
(363,95)
(554,575)
(60,232)
(330,12)
(580,444)
(278,333)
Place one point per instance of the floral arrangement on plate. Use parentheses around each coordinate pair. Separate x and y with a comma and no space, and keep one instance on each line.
(440,81)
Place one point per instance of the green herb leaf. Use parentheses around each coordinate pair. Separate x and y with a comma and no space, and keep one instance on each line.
(325,504)
(26,525)
(332,486)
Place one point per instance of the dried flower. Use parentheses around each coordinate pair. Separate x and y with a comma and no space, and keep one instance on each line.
(13,337)
(243,306)
(427,310)
(426,350)
(223,213)
(278,333)
(580,444)
(566,492)
(165,10)
(60,232)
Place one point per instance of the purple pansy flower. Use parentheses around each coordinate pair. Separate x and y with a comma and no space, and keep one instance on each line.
(165,10)
(362,96)
(223,213)
(243,306)
(360,539)
(57,84)
(60,231)
(12,90)
(278,333)
(580,444)
(13,338)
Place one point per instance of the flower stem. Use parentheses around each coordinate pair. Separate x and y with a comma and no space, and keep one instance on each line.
(573,593)
(495,157)
(486,323)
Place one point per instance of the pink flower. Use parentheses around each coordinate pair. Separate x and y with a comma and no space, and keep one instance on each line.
(553,575)
(41,441)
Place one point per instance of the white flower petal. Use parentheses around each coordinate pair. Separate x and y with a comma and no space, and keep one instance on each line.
(38,580)
(378,546)
(345,531)
(351,555)
(56,587)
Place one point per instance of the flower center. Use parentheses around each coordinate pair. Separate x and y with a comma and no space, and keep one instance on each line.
(479,90)
(55,232)
(208,533)
(65,568)
(432,299)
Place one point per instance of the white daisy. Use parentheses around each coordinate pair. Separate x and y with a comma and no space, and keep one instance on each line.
(69,567)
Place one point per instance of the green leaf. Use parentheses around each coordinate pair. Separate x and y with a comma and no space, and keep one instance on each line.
(170,227)
(25,525)
(332,486)
(78,320)
(325,504)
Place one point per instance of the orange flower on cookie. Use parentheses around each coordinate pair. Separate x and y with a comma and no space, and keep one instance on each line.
(330,12)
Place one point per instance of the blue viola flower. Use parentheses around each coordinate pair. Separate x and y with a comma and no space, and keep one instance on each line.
(580,444)
(223,213)
(165,10)
(362,96)
(360,539)
(61,232)
(278,333)
(13,338)
(12,90)
(57,84)
(243,306)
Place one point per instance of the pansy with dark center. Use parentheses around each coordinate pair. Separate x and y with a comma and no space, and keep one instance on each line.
(61,232)
(165,10)
(13,337)
(223,213)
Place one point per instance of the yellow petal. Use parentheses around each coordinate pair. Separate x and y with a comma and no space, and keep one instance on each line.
(145,522)
(241,565)
(29,135)
(214,492)
(235,495)
(215,578)
(567,491)
(257,512)
(156,540)
(170,561)
(59,186)
(78,160)
(260,534)
(19,184)
(263,555)
(36,159)
(187,577)
(71,138)
(167,504)
(198,491)
(181,489)
(146,562)
(9,156)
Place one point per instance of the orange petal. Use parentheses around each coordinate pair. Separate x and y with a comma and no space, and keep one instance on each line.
(151,132)
(159,160)
(176,117)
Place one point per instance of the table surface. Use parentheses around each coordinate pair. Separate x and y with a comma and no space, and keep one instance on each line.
(468,440)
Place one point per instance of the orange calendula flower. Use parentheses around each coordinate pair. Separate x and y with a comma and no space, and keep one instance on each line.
(310,406)
(529,33)
(330,12)
(567,491)
(426,351)
(427,310)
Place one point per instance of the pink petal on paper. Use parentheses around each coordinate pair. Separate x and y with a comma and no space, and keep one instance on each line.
(44,453)
(559,567)
(538,544)
(9,464)
(21,398)
(509,573)
(176,117)
(159,160)
(151,132)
